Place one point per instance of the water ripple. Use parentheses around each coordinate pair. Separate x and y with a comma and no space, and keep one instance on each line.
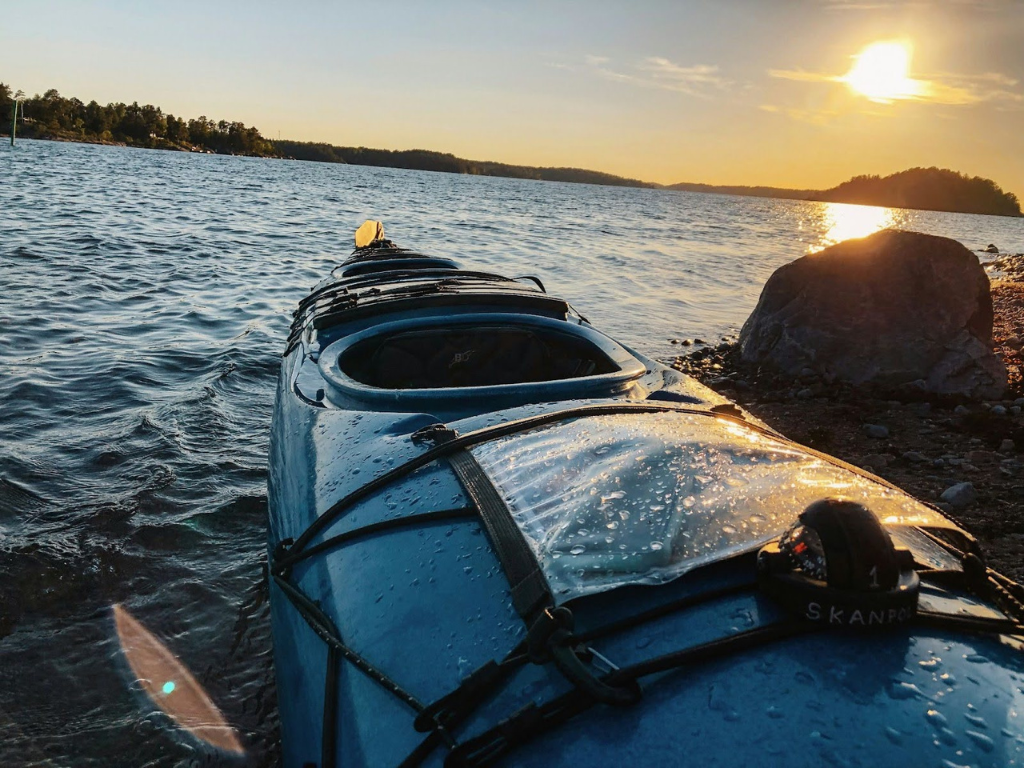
(146,300)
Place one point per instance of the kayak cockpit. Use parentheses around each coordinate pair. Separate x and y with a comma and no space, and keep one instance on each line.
(506,357)
(472,356)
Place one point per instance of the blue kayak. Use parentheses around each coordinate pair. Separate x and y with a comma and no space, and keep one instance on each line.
(499,537)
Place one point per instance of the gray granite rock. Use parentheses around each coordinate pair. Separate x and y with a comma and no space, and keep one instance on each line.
(959,495)
(891,309)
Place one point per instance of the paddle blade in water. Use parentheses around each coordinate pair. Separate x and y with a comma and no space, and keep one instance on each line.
(369,233)
(171,686)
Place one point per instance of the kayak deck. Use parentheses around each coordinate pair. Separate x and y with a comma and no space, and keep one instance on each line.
(416,622)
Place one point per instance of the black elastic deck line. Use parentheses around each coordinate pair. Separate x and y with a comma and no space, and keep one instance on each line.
(380,249)
(424,518)
(427,273)
(532,720)
(689,601)
(320,623)
(412,282)
(973,624)
(366,305)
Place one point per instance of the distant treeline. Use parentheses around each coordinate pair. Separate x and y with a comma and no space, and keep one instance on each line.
(930,189)
(715,189)
(927,189)
(51,116)
(426,160)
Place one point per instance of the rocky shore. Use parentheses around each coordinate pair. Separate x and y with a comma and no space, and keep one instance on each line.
(965,456)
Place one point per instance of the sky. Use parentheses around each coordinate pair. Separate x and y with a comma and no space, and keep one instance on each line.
(713,91)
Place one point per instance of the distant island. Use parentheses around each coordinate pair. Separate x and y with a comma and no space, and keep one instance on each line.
(930,189)
(927,189)
(52,116)
(426,160)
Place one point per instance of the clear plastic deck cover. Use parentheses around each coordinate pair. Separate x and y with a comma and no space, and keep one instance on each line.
(641,499)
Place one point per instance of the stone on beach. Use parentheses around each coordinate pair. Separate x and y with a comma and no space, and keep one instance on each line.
(959,495)
(892,309)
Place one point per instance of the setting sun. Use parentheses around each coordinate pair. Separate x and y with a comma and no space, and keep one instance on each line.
(881,71)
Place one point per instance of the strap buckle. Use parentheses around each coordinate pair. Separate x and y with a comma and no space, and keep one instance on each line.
(435,434)
(280,553)
(552,626)
(550,637)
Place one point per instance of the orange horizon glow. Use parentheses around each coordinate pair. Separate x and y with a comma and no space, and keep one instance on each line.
(804,94)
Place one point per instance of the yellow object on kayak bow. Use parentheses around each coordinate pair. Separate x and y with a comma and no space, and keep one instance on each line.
(369,233)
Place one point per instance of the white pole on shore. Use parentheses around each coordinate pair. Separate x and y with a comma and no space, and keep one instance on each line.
(14,115)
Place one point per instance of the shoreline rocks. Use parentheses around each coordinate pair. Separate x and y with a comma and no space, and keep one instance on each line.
(934,442)
(895,309)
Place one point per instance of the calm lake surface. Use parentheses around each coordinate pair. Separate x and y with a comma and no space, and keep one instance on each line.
(145,301)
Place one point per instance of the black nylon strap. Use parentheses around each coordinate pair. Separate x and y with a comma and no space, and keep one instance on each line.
(533,720)
(530,591)
(329,733)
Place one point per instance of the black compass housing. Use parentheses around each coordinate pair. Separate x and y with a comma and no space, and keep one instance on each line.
(837,565)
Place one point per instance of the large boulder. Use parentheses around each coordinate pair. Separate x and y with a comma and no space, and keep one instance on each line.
(892,309)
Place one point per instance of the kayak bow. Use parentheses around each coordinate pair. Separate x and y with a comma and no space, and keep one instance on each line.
(498,535)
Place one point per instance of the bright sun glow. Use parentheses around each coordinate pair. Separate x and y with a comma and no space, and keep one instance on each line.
(881,71)
(841,221)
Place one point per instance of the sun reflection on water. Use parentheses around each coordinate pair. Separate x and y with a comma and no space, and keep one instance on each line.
(843,221)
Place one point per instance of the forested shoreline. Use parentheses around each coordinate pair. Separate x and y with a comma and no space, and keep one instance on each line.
(930,189)
(925,189)
(427,160)
(52,116)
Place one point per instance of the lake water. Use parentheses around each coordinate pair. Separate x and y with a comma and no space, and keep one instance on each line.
(145,301)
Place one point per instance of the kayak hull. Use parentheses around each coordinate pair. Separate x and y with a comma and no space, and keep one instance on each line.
(429,604)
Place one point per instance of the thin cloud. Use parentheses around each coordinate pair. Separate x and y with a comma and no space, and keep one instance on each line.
(804,77)
(661,73)
(812,116)
(890,5)
(947,89)
(834,5)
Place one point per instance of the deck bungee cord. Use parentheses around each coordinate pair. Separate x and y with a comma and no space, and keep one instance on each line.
(549,629)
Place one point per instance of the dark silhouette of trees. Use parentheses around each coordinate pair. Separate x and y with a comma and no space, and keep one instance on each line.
(930,189)
(51,116)
(6,106)
(425,160)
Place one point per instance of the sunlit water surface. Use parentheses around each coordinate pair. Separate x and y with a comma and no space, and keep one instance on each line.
(146,297)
